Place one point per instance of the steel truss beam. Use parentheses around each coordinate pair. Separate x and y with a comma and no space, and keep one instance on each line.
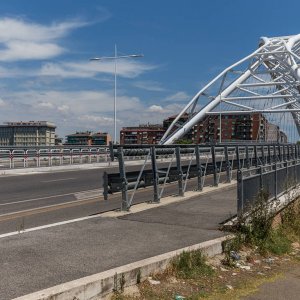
(266,81)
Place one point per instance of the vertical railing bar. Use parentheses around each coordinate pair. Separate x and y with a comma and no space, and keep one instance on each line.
(199,169)
(156,198)
(188,171)
(179,170)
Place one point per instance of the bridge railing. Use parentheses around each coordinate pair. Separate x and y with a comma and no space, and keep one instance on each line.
(267,181)
(24,157)
(165,164)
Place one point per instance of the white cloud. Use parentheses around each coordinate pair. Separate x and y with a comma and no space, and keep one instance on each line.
(63,108)
(149,85)
(125,68)
(23,40)
(156,108)
(2,103)
(99,120)
(177,97)
(45,105)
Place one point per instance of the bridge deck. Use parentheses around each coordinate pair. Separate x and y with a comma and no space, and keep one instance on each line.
(44,258)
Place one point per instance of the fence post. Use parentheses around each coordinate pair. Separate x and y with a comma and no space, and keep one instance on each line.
(199,169)
(269,154)
(247,157)
(237,154)
(124,205)
(228,177)
(263,159)
(240,193)
(255,155)
(276,181)
(274,159)
(213,156)
(155,177)
(261,178)
(179,170)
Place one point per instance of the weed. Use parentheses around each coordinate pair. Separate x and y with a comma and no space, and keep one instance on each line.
(191,265)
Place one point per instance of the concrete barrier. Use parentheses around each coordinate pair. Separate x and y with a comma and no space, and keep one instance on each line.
(99,286)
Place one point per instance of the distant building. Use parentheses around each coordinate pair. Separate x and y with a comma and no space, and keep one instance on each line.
(168,121)
(32,133)
(142,134)
(58,140)
(88,138)
(232,128)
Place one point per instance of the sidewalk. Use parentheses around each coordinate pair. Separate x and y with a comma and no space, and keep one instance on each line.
(40,259)
(287,287)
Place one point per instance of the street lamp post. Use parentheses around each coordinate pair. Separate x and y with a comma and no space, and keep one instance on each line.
(115,58)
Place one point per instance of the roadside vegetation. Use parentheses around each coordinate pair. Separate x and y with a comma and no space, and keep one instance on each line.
(263,248)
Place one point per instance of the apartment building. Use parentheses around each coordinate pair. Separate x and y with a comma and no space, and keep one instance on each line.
(142,134)
(88,138)
(29,134)
(233,128)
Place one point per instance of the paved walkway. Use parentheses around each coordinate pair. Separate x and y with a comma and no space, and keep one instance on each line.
(37,260)
(286,288)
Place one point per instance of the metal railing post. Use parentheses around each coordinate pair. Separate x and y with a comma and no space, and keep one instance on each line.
(284,153)
(237,154)
(247,158)
(124,205)
(255,155)
(274,159)
(269,154)
(228,177)
(261,178)
(199,169)
(240,193)
(276,180)
(213,156)
(155,175)
(263,159)
(180,174)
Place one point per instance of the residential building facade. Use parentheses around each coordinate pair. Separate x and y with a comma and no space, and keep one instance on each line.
(253,127)
(142,134)
(28,134)
(88,139)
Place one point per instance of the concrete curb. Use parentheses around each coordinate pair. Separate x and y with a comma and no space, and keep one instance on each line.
(99,286)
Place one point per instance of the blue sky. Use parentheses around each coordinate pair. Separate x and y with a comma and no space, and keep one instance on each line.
(45,46)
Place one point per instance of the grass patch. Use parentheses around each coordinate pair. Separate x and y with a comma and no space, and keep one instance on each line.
(191,265)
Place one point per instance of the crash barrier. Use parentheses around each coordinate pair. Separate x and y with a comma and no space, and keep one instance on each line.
(184,162)
(24,157)
(268,181)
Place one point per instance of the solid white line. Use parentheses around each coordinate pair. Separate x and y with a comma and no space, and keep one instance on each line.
(48,226)
(63,179)
(48,197)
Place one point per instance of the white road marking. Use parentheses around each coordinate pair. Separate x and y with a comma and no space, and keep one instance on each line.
(54,180)
(75,194)
(47,226)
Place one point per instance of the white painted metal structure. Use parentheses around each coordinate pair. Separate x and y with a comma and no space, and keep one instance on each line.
(266,81)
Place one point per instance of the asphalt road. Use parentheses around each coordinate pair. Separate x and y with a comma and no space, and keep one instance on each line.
(36,260)
(61,196)
(34,190)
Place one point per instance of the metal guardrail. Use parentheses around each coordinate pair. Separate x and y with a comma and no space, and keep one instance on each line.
(183,162)
(24,157)
(272,180)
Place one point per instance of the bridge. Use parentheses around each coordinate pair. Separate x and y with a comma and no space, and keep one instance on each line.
(148,199)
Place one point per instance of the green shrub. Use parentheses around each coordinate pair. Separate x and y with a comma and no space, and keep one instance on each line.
(191,265)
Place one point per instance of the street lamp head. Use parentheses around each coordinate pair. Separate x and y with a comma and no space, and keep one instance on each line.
(95,58)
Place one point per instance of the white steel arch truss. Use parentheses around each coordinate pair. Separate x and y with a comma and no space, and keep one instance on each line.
(267,81)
